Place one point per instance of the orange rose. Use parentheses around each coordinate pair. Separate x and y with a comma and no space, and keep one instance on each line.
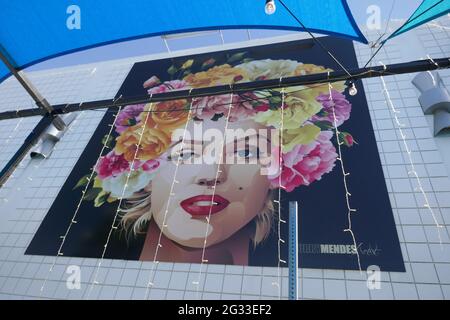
(154,142)
(166,115)
(218,75)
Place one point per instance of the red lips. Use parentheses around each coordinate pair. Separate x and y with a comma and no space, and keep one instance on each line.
(202,205)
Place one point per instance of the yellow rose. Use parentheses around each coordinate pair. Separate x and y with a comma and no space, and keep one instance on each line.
(153,143)
(295,113)
(166,115)
(302,135)
(97,183)
(187,64)
(218,75)
(305,69)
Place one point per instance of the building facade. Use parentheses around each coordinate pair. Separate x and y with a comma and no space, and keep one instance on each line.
(29,193)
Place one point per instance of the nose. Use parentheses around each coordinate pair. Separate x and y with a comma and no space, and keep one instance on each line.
(207,176)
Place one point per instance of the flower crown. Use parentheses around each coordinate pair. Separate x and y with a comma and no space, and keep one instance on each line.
(308,120)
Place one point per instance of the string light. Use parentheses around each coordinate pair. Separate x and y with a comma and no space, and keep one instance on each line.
(203,260)
(116,215)
(412,171)
(352,89)
(150,282)
(270,7)
(83,192)
(13,135)
(345,174)
(278,202)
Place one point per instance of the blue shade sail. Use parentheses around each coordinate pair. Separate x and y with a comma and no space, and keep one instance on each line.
(428,10)
(32,31)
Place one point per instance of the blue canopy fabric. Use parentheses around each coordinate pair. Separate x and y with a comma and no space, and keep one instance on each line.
(32,31)
(428,10)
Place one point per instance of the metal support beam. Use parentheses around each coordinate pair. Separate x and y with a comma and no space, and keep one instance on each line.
(40,101)
(29,142)
(293,250)
(319,78)
(311,79)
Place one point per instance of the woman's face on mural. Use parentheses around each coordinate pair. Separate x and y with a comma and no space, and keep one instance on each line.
(240,189)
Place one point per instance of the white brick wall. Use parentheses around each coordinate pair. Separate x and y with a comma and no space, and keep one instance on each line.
(25,199)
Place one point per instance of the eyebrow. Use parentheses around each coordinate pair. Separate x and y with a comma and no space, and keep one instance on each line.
(257,136)
(190,142)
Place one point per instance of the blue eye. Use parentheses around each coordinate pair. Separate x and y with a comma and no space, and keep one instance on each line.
(246,153)
(186,155)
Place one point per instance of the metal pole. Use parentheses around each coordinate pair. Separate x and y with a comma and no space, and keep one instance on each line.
(293,250)
(40,101)
(311,79)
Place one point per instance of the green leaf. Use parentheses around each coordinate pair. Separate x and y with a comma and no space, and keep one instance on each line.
(236,57)
(208,63)
(247,60)
(187,64)
(82,182)
(185,73)
(275,99)
(324,125)
(217,116)
(92,194)
(172,70)
(107,141)
(322,113)
(101,198)
(131,122)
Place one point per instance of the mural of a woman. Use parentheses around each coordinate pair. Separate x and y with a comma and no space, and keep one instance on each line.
(186,204)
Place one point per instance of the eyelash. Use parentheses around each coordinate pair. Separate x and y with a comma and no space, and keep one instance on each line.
(258,153)
(191,153)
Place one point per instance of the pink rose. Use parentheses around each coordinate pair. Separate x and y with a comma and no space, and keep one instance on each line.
(347,138)
(306,163)
(128,117)
(111,165)
(342,108)
(244,106)
(147,166)
(169,86)
(153,81)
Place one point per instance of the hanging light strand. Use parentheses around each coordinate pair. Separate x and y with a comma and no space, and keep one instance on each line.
(278,201)
(150,282)
(118,210)
(350,210)
(218,172)
(412,171)
(12,135)
(74,216)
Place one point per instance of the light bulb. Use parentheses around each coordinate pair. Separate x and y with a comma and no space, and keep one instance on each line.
(270,7)
(352,89)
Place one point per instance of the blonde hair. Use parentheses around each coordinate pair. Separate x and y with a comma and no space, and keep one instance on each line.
(137,214)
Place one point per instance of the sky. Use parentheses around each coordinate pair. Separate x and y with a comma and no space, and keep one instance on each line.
(390,9)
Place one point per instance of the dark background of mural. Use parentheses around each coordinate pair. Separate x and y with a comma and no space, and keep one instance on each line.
(322,206)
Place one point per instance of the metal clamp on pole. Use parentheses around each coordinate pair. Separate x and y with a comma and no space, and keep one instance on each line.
(50,137)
